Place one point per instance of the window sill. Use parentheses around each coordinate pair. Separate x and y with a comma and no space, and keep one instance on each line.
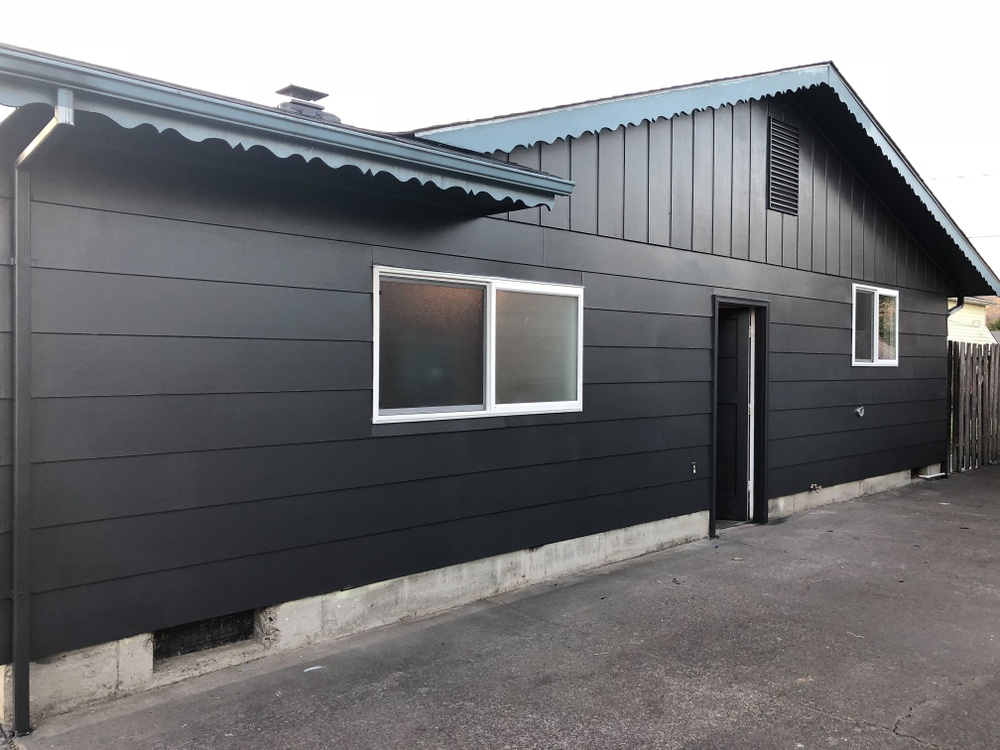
(464,415)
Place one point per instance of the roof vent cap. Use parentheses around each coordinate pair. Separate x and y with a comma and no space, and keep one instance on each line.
(304,104)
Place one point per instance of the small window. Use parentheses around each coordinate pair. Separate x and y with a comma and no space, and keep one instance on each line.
(876,326)
(448,346)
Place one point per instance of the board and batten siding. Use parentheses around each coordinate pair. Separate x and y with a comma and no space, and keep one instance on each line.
(698,182)
(201,388)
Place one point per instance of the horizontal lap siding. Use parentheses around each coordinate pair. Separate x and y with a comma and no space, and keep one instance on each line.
(5,614)
(136,545)
(6,425)
(71,492)
(202,403)
(5,571)
(87,611)
(202,398)
(816,435)
(114,304)
(5,497)
(881,459)
(6,383)
(67,365)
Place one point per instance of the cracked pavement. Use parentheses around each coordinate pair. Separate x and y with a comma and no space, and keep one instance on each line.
(869,624)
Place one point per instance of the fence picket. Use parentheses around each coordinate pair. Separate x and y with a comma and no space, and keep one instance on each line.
(973,405)
(951,419)
(976,399)
(963,400)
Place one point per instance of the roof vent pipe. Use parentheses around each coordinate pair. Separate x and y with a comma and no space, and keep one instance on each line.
(304,104)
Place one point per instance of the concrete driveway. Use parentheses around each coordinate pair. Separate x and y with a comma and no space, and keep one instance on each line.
(870,624)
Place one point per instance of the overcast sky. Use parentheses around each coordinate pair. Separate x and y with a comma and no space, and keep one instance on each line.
(926,71)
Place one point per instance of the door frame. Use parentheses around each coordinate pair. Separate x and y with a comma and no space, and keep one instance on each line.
(761,412)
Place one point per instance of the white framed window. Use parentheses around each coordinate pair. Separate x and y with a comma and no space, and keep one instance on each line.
(449,346)
(875,328)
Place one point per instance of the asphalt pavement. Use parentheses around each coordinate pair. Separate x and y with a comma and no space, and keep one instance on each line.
(868,624)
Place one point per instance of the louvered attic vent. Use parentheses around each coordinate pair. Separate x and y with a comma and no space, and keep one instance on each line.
(783,167)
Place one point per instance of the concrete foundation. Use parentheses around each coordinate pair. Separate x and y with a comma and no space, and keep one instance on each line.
(6,697)
(834,630)
(779,507)
(335,615)
(110,670)
(73,679)
(77,678)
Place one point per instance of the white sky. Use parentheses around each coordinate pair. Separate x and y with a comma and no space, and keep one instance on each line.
(926,71)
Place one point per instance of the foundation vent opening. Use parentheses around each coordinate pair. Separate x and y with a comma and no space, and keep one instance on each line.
(203,635)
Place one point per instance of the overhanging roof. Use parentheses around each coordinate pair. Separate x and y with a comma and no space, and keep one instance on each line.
(815,81)
(28,77)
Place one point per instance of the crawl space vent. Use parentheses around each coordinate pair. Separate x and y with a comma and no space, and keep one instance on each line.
(203,635)
(782,167)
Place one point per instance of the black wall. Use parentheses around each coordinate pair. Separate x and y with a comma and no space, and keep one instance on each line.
(202,439)
(6,424)
(698,182)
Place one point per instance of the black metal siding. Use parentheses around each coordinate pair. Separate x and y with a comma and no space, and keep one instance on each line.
(202,440)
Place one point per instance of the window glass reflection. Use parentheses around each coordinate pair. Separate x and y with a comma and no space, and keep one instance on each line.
(431,344)
(536,347)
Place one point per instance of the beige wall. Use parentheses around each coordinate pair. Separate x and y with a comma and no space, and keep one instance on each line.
(969,324)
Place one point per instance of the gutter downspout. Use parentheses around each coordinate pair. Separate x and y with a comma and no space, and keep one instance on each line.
(21,522)
(959,306)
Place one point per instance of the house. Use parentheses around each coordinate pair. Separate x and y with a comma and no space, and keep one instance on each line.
(968,321)
(273,379)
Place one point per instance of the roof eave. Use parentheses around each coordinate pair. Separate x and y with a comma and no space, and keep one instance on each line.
(889,149)
(546,126)
(572,121)
(27,77)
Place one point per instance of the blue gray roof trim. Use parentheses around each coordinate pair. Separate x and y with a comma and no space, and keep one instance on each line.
(572,121)
(28,77)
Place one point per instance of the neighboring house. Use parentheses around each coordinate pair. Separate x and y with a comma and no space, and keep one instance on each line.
(968,323)
(276,377)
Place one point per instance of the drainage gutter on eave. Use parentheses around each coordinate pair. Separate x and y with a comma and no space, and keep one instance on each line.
(131,101)
(61,120)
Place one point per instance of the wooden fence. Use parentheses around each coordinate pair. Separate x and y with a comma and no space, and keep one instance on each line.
(974,405)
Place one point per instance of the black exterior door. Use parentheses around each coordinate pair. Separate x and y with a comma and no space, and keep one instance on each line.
(732,415)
